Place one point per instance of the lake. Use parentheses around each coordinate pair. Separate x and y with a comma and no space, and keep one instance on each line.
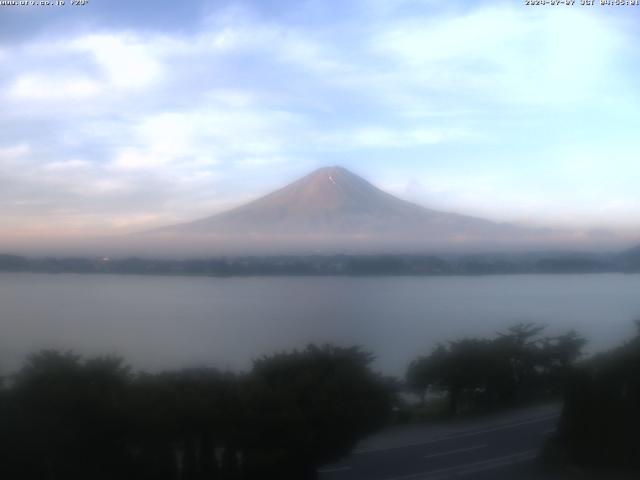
(171,322)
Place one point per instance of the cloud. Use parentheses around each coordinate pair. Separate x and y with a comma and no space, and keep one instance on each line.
(42,87)
(505,53)
(126,61)
(380,137)
(412,137)
(204,136)
(14,151)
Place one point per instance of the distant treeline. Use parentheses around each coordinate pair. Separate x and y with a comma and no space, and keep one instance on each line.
(482,264)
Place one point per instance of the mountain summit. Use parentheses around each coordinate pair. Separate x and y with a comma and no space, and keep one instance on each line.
(332,201)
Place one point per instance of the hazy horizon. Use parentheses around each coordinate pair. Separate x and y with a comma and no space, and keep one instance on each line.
(329,211)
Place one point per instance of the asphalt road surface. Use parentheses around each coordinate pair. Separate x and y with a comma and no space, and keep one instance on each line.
(498,447)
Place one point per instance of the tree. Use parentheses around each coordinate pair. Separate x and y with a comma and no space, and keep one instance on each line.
(70,418)
(312,406)
(601,415)
(67,422)
(180,419)
(515,366)
(425,373)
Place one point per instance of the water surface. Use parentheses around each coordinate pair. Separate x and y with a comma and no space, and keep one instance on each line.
(167,322)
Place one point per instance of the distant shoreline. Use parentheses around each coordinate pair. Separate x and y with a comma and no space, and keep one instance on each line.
(333,265)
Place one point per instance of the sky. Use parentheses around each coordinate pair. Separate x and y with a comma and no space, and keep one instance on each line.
(119,116)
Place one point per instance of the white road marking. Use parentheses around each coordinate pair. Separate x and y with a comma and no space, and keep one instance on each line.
(459,450)
(331,178)
(492,464)
(335,469)
(460,435)
(474,467)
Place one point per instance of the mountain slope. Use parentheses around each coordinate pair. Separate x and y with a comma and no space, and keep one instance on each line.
(334,201)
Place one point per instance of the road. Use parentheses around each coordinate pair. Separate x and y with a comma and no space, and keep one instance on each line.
(498,447)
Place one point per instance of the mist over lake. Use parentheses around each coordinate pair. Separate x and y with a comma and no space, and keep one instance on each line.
(169,322)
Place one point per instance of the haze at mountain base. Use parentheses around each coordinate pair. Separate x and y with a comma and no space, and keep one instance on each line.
(329,211)
(333,209)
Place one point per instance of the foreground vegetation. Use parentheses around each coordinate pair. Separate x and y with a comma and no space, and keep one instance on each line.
(518,366)
(67,418)
(601,416)
(64,417)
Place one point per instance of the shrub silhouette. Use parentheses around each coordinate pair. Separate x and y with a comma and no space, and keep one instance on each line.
(66,418)
(314,405)
(601,415)
(514,367)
